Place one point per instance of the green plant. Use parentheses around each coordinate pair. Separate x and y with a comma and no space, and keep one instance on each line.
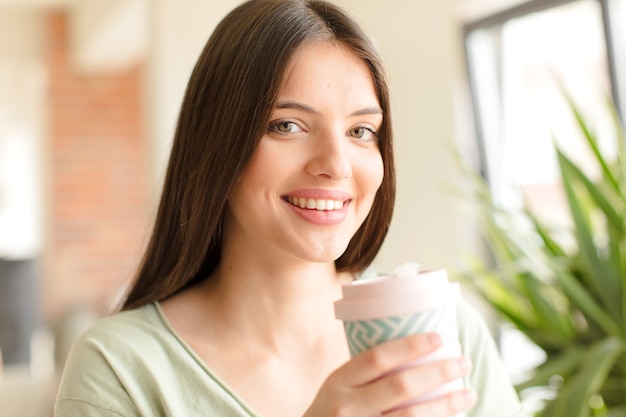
(568,296)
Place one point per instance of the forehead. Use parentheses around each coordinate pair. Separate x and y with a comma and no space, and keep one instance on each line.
(319,64)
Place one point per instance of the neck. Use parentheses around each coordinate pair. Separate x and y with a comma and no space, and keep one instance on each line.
(276,304)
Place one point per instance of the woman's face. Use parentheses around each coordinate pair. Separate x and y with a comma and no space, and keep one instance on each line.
(315,173)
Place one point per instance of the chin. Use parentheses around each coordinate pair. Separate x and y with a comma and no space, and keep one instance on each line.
(327,256)
(328,248)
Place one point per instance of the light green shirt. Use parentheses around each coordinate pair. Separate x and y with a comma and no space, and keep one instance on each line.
(135,364)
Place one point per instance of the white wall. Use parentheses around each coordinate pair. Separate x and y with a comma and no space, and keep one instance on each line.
(421,44)
(22,119)
(179,30)
(108,35)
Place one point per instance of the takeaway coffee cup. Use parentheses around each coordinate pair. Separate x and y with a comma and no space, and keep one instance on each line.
(378,309)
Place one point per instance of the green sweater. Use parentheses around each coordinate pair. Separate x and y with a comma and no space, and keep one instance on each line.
(134,364)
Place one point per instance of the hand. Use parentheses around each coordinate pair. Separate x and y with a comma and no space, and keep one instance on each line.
(365,385)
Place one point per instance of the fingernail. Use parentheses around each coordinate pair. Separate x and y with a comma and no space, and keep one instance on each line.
(434,339)
(465,365)
(468,397)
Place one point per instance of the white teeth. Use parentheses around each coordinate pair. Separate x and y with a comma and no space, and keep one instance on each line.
(316,204)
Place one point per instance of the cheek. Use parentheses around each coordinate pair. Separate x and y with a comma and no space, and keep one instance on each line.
(372,172)
(260,171)
(243,193)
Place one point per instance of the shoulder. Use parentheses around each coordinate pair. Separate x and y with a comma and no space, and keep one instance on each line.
(472,324)
(120,333)
(489,378)
(142,319)
(97,368)
(475,336)
(123,333)
(134,364)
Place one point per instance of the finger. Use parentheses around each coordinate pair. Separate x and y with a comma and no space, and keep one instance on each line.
(404,385)
(446,406)
(381,359)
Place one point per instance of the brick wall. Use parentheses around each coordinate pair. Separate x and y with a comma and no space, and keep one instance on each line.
(97,179)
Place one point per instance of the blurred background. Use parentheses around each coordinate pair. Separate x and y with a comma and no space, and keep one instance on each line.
(89,95)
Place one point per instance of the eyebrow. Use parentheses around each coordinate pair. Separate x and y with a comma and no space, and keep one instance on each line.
(308,109)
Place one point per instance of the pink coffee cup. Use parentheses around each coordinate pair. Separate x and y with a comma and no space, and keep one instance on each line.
(407,302)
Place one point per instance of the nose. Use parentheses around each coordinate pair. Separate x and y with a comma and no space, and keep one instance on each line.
(330,157)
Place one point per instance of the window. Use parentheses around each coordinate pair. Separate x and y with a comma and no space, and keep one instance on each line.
(518,60)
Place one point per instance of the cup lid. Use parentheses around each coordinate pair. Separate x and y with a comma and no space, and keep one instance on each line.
(393,295)
(394,285)
(366,309)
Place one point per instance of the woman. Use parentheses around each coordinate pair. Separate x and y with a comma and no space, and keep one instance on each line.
(279,189)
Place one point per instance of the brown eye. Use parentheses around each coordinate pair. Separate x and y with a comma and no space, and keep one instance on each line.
(284,127)
(363,133)
(357,132)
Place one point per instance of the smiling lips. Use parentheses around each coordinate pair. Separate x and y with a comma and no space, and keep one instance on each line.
(316,203)
(320,207)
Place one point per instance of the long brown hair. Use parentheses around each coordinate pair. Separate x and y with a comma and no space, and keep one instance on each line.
(224,114)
